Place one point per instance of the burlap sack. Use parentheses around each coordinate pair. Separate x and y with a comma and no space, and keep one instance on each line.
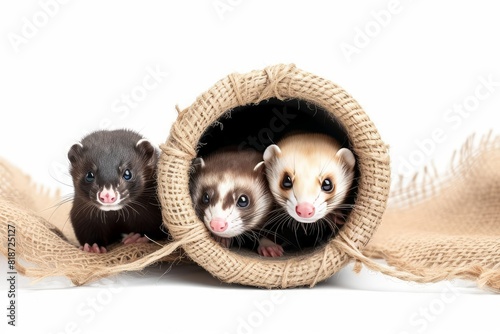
(283,82)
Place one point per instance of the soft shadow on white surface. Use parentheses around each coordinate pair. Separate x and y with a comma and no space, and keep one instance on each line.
(187,299)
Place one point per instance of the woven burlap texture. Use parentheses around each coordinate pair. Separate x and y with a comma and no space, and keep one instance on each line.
(282,82)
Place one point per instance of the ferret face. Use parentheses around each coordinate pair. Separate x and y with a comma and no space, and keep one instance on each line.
(112,169)
(309,176)
(230,199)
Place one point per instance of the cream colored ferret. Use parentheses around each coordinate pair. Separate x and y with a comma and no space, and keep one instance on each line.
(309,177)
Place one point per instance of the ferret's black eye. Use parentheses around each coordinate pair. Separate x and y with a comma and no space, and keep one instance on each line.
(89,177)
(127,175)
(242,201)
(327,185)
(205,198)
(287,183)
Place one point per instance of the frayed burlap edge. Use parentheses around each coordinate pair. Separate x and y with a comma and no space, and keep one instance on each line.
(445,225)
(40,248)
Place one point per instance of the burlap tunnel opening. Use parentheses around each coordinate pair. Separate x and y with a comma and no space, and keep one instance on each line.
(253,110)
(258,125)
(255,126)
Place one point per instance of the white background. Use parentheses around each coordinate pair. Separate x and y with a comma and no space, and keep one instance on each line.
(411,65)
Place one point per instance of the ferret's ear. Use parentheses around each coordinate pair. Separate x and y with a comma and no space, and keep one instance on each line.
(75,152)
(259,167)
(271,152)
(346,156)
(198,164)
(146,149)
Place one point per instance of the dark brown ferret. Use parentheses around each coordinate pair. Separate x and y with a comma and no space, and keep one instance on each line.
(115,199)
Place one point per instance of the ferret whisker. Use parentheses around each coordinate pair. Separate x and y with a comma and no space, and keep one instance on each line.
(252,235)
(103,216)
(83,208)
(329,222)
(273,235)
(237,240)
(57,206)
(254,215)
(317,230)
(277,220)
(332,207)
(132,209)
(124,213)
(138,203)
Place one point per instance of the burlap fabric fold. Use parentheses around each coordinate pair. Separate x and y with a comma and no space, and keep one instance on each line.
(447,225)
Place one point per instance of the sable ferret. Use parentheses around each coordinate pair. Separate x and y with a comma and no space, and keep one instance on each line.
(114,175)
(230,195)
(309,176)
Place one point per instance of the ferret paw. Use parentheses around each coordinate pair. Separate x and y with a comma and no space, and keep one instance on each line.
(224,242)
(93,249)
(268,248)
(270,251)
(136,238)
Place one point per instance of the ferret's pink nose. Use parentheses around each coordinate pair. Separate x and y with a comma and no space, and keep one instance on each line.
(305,210)
(107,196)
(218,225)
